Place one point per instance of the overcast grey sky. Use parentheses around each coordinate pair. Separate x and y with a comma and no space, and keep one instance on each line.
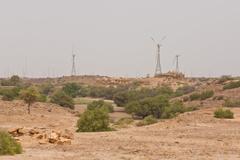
(112,37)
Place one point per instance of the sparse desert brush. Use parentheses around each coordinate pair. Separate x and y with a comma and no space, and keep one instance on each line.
(147,121)
(232,85)
(232,103)
(96,120)
(123,122)
(224,79)
(100,104)
(8,146)
(223,113)
(221,97)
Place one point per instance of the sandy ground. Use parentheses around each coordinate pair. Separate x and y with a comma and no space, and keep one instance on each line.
(196,136)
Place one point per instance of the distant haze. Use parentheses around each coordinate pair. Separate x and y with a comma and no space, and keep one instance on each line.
(112,37)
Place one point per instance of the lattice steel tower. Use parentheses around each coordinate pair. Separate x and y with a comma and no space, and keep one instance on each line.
(158,69)
(177,63)
(73,65)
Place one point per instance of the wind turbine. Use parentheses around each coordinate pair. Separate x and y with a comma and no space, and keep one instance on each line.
(158,69)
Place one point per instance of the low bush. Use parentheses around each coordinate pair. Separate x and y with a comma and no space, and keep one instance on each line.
(71,89)
(224,79)
(62,99)
(9,94)
(124,122)
(13,81)
(195,96)
(232,103)
(147,121)
(8,146)
(46,89)
(149,106)
(223,113)
(101,104)
(125,97)
(41,98)
(232,85)
(96,120)
(184,90)
(174,109)
(201,96)
(207,94)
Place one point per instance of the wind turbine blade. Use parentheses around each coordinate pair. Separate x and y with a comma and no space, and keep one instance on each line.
(153,40)
(163,38)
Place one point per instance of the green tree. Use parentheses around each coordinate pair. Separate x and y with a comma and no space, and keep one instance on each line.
(29,96)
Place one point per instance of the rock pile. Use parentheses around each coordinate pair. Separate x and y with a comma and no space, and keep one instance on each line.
(43,135)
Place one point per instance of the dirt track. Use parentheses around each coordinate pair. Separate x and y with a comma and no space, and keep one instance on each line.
(195,135)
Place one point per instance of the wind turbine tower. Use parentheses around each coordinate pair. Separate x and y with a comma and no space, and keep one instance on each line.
(158,69)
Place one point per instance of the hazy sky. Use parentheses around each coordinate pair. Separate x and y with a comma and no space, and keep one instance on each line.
(112,37)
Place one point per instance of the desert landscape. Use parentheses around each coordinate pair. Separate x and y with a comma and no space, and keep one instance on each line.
(49,132)
(119,80)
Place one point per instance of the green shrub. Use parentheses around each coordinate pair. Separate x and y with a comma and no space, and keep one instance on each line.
(172,110)
(9,94)
(96,120)
(207,94)
(184,90)
(232,85)
(8,146)
(13,81)
(149,106)
(127,96)
(62,99)
(222,113)
(46,89)
(41,98)
(232,103)
(100,104)
(195,96)
(147,121)
(201,96)
(176,108)
(71,89)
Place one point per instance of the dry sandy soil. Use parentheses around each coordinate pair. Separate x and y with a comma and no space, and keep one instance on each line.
(196,135)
